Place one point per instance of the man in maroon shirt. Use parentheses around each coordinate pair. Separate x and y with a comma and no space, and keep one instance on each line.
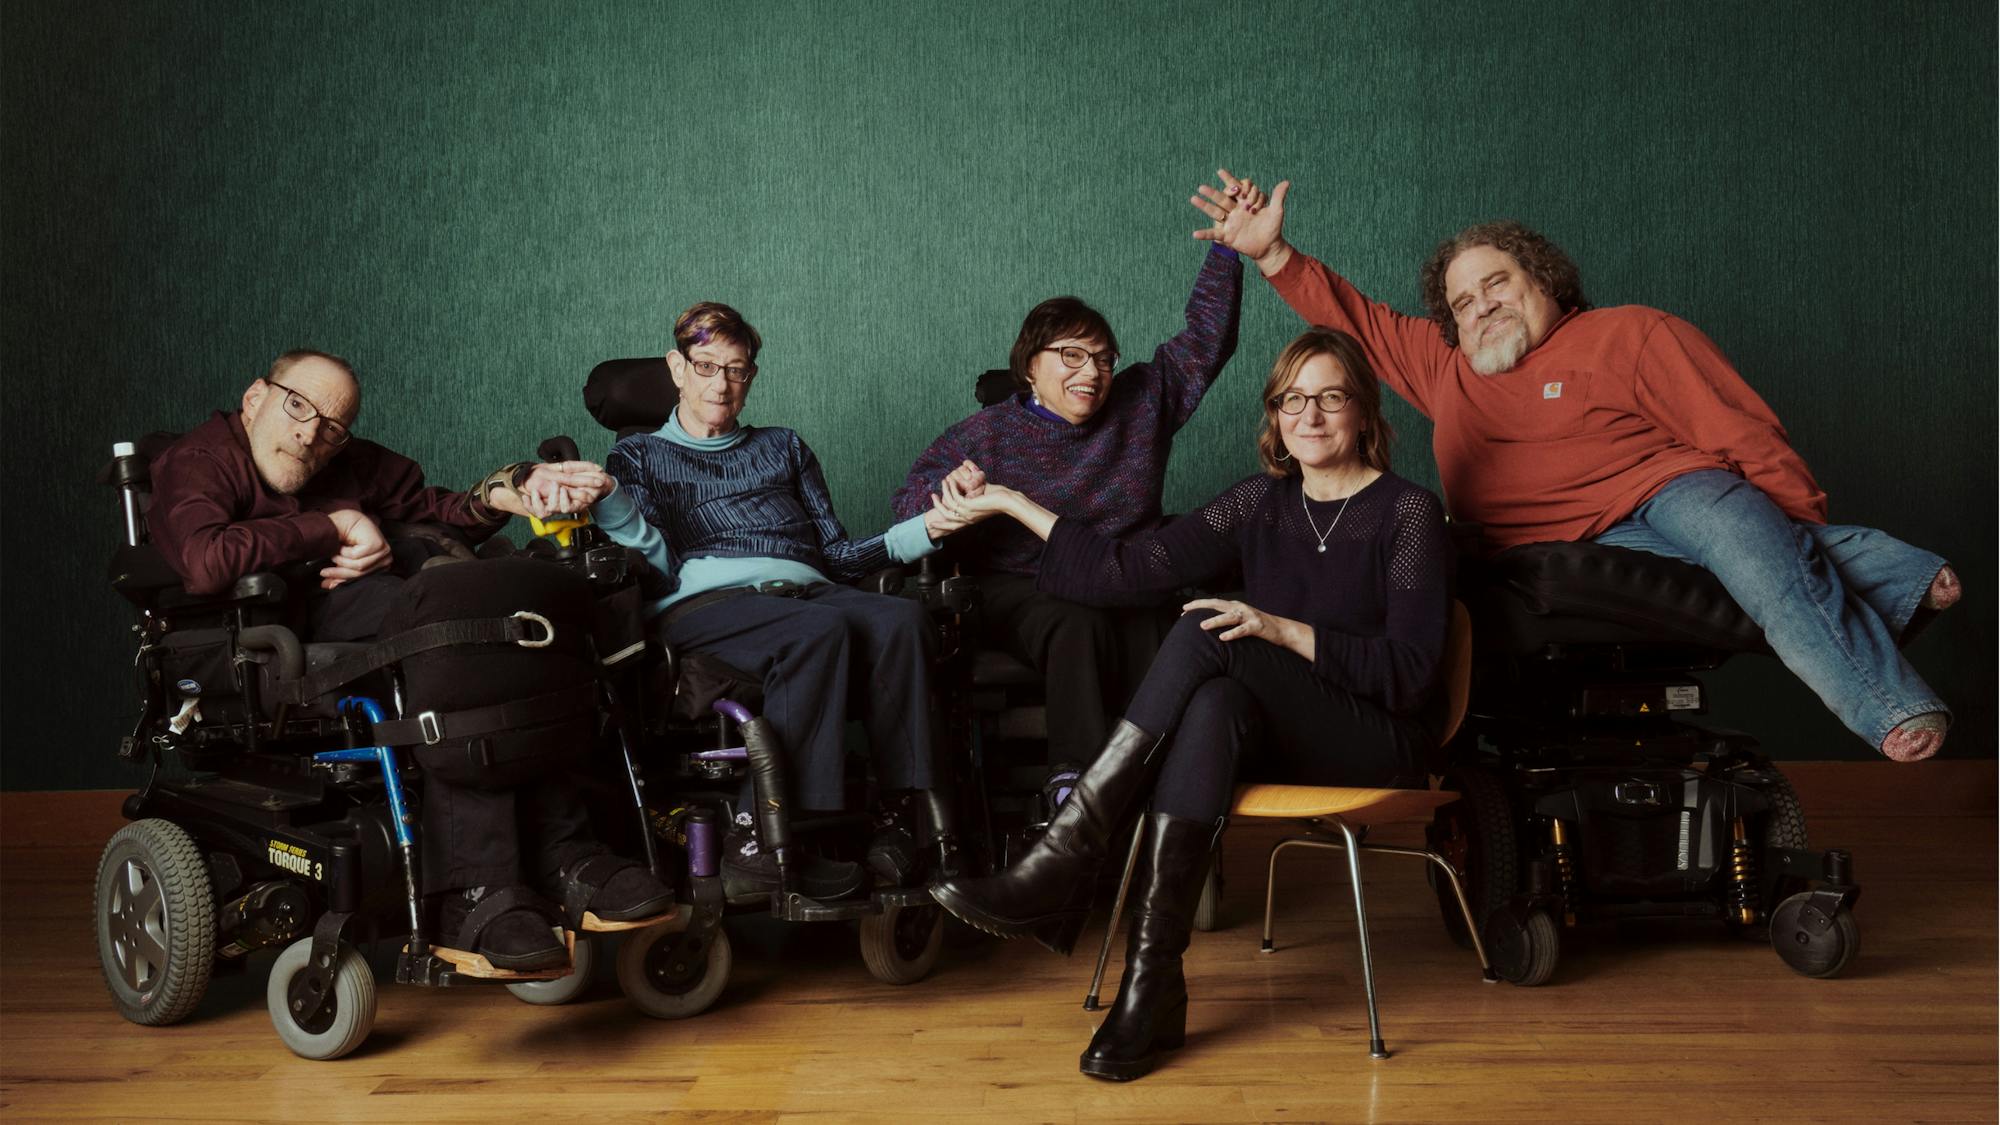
(283,480)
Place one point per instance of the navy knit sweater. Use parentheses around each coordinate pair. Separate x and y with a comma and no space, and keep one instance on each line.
(758,496)
(1107,472)
(1377,599)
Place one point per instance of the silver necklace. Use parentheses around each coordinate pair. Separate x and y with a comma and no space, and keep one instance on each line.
(1321,535)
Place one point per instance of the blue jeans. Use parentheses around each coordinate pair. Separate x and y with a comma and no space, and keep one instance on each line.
(1832,600)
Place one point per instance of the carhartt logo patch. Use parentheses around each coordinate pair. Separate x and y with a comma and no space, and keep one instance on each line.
(1552,390)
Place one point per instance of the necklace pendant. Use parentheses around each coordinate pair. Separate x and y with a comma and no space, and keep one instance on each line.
(1322,548)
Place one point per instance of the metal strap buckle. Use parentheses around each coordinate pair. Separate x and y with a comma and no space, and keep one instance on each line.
(548,630)
(428,723)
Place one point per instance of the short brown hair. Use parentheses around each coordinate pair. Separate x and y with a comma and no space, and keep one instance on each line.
(297,356)
(1058,318)
(1543,260)
(1363,389)
(706,321)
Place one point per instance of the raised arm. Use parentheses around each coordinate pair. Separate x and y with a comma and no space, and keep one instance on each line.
(1187,364)
(1408,352)
(391,487)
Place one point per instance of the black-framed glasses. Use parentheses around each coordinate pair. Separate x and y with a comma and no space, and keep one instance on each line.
(735,373)
(301,409)
(1294,402)
(1073,356)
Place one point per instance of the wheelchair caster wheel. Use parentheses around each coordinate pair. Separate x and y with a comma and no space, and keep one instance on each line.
(155,922)
(1523,950)
(670,972)
(901,944)
(346,1018)
(562,990)
(1810,942)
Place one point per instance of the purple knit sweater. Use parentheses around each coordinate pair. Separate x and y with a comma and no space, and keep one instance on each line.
(1377,597)
(1107,472)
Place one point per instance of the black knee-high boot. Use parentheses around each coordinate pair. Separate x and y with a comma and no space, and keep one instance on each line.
(1150,1014)
(1047,892)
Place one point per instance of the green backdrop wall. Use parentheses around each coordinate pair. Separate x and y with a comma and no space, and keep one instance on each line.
(478,201)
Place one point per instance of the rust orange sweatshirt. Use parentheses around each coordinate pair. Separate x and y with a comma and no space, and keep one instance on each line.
(1610,406)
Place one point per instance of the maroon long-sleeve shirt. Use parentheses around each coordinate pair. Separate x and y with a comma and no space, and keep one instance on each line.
(215,520)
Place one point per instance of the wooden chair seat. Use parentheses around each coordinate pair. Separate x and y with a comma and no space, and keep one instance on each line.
(1357,807)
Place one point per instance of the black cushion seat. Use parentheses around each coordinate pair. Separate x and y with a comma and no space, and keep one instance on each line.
(1526,598)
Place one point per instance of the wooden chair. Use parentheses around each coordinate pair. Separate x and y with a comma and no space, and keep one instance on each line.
(1345,810)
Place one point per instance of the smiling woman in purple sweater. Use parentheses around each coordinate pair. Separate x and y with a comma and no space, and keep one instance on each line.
(1092,448)
(1331,657)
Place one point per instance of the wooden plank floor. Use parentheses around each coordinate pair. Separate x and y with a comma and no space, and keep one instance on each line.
(1643,1025)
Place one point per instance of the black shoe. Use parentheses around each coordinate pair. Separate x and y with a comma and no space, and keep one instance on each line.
(513,928)
(748,871)
(1047,892)
(613,888)
(1150,1014)
(893,857)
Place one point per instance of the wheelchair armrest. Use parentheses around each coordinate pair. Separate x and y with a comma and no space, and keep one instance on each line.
(147,580)
(888,580)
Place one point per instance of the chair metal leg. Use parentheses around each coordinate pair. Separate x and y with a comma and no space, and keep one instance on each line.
(1090,1003)
(1375,1047)
(1465,911)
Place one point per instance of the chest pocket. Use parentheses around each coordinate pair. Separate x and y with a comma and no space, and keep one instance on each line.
(1545,405)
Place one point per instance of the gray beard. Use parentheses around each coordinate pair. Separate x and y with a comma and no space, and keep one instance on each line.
(1502,353)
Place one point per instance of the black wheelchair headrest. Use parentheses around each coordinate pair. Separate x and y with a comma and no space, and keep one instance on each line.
(631,396)
(994,386)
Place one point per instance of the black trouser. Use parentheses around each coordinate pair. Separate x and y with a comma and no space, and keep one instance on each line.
(1090,658)
(353,610)
(1224,700)
(500,837)
(832,652)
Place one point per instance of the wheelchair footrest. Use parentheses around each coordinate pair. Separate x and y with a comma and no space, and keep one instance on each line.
(799,908)
(444,967)
(592,924)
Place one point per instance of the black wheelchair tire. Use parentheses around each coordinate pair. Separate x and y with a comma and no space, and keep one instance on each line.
(667,989)
(901,944)
(1820,954)
(1524,950)
(1476,834)
(154,914)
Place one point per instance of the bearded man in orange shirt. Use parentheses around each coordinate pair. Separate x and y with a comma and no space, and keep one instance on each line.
(1554,420)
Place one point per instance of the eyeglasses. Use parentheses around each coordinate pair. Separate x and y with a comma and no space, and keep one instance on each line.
(1074,356)
(302,409)
(734,373)
(1330,402)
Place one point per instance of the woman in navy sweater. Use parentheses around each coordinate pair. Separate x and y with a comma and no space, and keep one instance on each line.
(1319,676)
(731,515)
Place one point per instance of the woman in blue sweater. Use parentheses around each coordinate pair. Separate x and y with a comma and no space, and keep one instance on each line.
(1320,676)
(738,520)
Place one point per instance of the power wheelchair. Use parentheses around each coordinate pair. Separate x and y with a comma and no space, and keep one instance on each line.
(1588,796)
(280,807)
(694,719)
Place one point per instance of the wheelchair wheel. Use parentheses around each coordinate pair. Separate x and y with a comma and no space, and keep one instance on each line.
(1808,943)
(670,973)
(1784,826)
(1208,911)
(562,990)
(1475,834)
(901,944)
(349,1013)
(155,921)
(1523,950)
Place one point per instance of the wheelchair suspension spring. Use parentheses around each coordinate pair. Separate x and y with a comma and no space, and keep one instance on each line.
(1565,869)
(1742,875)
